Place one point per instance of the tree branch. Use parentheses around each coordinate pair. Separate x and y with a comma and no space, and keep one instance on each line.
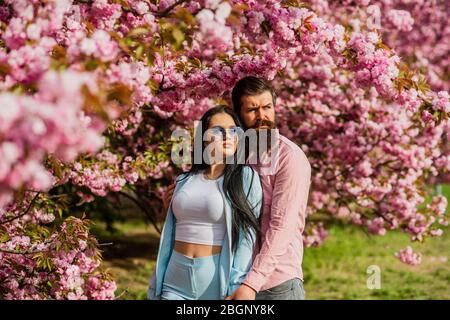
(143,209)
(24,213)
(22,252)
(168,9)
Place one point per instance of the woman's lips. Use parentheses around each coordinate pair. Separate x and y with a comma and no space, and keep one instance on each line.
(227,145)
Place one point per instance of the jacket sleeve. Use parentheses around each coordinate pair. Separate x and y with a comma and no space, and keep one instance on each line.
(151,291)
(242,260)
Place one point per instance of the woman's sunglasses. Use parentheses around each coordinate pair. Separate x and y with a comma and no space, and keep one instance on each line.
(222,133)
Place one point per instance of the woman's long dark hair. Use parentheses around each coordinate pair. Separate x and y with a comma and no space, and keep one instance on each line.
(243,217)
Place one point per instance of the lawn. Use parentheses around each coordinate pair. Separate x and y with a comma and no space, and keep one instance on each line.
(338,269)
(335,270)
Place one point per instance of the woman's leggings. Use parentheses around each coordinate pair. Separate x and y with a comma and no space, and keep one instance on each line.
(189,278)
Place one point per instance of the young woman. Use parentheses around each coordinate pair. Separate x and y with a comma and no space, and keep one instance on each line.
(207,242)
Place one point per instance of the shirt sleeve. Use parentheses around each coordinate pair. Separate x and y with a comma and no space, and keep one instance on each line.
(287,216)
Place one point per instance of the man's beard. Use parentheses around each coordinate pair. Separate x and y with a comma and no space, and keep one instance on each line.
(264,135)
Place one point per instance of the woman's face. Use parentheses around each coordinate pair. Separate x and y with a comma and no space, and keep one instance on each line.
(222,136)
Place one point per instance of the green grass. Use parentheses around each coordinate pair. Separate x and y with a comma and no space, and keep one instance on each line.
(338,269)
(335,270)
(132,282)
(131,258)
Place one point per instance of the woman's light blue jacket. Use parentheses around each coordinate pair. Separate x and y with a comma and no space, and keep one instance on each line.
(234,266)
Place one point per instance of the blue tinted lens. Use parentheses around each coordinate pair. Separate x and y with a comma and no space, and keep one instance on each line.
(217,131)
(233,132)
(220,132)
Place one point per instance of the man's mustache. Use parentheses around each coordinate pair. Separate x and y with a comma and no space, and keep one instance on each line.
(263,122)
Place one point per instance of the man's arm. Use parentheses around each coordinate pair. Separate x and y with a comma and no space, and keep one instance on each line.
(287,216)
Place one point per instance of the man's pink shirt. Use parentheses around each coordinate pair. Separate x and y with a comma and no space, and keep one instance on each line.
(285,183)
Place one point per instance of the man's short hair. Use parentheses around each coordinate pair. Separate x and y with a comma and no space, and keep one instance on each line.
(249,86)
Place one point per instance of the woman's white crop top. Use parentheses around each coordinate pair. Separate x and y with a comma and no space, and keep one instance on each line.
(199,211)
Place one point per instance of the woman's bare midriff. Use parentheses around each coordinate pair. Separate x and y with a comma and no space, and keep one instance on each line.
(195,250)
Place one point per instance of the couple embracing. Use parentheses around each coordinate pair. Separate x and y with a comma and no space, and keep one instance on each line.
(234,230)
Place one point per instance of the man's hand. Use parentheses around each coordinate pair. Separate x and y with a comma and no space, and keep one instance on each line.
(168,196)
(244,292)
